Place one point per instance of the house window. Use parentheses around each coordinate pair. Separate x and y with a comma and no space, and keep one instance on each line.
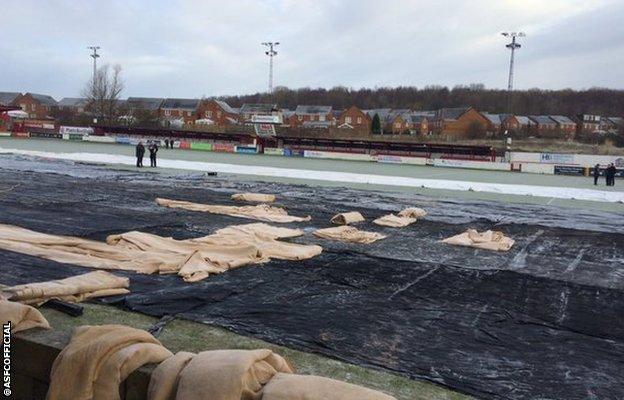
(218,114)
(347,120)
(188,113)
(397,125)
(208,114)
(359,120)
(24,107)
(322,118)
(167,112)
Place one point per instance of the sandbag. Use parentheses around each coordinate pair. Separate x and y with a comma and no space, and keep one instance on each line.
(229,374)
(261,212)
(164,380)
(488,240)
(122,363)
(73,289)
(348,234)
(347,218)
(308,387)
(394,221)
(254,197)
(77,367)
(412,212)
(21,316)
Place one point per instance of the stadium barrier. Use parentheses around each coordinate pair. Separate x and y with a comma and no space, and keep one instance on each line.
(22,135)
(334,155)
(488,165)
(390,159)
(246,149)
(99,139)
(224,148)
(273,151)
(583,160)
(536,168)
(5,134)
(203,146)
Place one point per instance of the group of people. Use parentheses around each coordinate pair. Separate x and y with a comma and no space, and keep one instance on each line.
(609,174)
(152,147)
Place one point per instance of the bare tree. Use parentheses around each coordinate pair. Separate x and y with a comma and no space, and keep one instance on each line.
(102,92)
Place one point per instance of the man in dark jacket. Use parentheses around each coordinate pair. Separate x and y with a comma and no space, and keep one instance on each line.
(153,149)
(139,152)
(611,172)
(596,173)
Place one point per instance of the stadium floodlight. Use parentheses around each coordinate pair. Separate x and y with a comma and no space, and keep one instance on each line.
(95,56)
(271,52)
(511,46)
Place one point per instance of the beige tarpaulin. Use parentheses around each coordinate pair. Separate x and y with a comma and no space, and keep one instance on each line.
(261,212)
(165,378)
(488,240)
(307,387)
(74,289)
(254,197)
(121,364)
(87,365)
(394,221)
(348,234)
(347,218)
(229,374)
(193,259)
(412,212)
(21,316)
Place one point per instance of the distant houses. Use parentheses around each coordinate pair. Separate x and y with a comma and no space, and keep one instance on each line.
(460,122)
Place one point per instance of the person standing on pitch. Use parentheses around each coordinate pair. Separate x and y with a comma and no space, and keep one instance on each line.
(153,149)
(596,173)
(612,172)
(139,152)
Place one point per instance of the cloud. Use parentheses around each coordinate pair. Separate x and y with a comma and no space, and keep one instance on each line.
(194,48)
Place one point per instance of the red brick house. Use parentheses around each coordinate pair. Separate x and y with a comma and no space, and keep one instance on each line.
(321,114)
(543,125)
(178,111)
(458,121)
(6,98)
(419,123)
(517,123)
(399,122)
(38,106)
(353,118)
(217,111)
(564,124)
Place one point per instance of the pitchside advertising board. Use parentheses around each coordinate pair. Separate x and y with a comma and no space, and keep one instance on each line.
(76,130)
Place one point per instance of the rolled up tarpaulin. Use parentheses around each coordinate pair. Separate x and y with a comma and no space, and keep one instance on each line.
(308,387)
(229,374)
(347,218)
(21,316)
(254,197)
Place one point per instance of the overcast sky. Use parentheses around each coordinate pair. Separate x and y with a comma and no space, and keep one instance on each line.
(208,48)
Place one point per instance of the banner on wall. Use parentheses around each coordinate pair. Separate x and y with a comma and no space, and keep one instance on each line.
(555,158)
(246,149)
(76,129)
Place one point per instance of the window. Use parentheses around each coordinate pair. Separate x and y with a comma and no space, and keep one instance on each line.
(322,118)
(359,120)
(347,120)
(218,114)
(208,114)
(167,112)
(24,107)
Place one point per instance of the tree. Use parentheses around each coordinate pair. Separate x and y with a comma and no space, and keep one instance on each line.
(103,91)
(376,125)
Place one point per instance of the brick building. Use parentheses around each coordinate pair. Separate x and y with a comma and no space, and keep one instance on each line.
(517,123)
(6,98)
(458,121)
(74,105)
(178,111)
(38,106)
(218,112)
(564,124)
(354,118)
(248,110)
(543,125)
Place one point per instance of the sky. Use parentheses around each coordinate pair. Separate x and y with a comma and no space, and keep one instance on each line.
(199,48)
